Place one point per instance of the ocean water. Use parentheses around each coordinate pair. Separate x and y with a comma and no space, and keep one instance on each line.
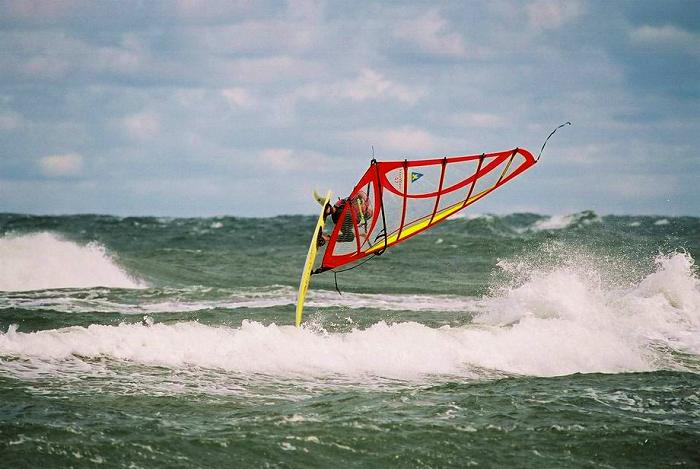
(520,341)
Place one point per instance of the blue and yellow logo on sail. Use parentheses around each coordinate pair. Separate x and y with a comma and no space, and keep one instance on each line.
(415,176)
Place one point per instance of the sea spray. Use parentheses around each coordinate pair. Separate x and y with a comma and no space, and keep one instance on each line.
(580,300)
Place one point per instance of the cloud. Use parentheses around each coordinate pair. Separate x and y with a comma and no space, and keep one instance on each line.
(370,85)
(208,11)
(269,69)
(238,97)
(478,120)
(54,55)
(431,34)
(256,37)
(552,14)
(70,164)
(10,121)
(642,186)
(409,139)
(667,37)
(286,159)
(141,126)
(40,10)
(405,140)
(279,159)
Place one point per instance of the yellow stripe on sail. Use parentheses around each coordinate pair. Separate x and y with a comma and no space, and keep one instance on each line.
(421,225)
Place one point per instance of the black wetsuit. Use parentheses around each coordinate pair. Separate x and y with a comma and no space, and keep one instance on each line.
(347,230)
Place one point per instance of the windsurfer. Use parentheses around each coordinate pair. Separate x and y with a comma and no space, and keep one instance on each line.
(360,206)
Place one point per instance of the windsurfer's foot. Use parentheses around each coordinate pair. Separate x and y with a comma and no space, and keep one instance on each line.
(322,239)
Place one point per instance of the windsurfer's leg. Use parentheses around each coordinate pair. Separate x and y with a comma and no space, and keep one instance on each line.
(322,238)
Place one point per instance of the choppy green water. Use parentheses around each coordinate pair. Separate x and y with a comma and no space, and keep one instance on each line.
(515,341)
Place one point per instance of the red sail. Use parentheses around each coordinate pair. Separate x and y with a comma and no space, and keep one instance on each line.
(395,200)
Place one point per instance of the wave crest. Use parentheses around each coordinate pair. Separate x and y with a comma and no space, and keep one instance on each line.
(44,260)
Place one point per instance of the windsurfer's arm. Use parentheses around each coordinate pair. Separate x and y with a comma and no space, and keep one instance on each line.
(328,210)
(361,211)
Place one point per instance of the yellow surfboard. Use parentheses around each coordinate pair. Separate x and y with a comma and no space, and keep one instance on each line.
(310,258)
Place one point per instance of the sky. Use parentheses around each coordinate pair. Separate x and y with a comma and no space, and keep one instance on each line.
(201,108)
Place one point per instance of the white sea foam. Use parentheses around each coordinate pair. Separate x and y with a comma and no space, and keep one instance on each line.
(560,222)
(472,216)
(554,320)
(95,300)
(609,326)
(555,222)
(45,260)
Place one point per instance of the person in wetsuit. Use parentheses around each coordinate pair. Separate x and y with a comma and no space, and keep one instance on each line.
(359,204)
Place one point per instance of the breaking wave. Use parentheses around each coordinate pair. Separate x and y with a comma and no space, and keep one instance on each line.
(561,222)
(44,260)
(544,321)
